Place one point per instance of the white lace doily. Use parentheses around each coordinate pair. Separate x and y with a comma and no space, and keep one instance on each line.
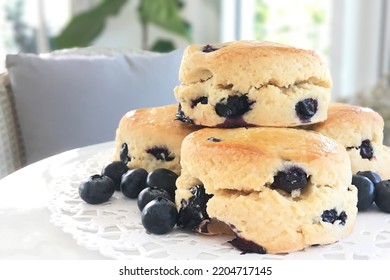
(115,230)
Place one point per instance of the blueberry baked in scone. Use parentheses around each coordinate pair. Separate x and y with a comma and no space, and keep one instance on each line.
(252,83)
(278,189)
(151,138)
(360,131)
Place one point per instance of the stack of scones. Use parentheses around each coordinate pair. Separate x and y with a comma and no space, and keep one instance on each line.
(261,152)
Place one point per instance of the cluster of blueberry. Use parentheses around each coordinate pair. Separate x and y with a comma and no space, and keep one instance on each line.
(372,189)
(154,191)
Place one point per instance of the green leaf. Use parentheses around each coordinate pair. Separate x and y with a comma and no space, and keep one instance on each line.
(162,46)
(165,14)
(85,27)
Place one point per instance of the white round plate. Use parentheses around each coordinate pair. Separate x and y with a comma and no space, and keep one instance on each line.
(115,230)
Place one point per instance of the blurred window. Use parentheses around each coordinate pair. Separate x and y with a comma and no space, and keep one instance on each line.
(306,25)
(352,36)
(26,25)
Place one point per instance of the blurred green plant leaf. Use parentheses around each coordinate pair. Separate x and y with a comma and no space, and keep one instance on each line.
(85,27)
(162,46)
(165,14)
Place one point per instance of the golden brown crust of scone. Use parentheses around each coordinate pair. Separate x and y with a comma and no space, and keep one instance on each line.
(157,118)
(245,64)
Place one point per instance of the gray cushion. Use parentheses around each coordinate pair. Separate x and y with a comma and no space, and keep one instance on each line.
(65,102)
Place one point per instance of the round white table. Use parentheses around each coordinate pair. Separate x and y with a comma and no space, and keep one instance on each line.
(25,228)
(42,217)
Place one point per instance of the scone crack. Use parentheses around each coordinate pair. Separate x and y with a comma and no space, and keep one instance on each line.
(204,80)
(325,186)
(312,81)
(225,87)
(237,193)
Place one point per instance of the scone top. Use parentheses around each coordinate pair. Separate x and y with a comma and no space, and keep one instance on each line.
(250,158)
(246,64)
(161,119)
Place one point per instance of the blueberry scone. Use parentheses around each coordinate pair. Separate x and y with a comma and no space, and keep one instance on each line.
(252,83)
(277,189)
(360,131)
(151,138)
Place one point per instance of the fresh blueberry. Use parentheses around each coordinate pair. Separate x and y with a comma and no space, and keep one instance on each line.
(366,191)
(209,48)
(342,217)
(202,100)
(182,117)
(124,153)
(331,216)
(133,182)
(247,246)
(194,210)
(161,153)
(163,178)
(97,189)
(373,176)
(159,216)
(306,109)
(382,195)
(150,193)
(234,106)
(293,178)
(366,150)
(115,170)
(213,139)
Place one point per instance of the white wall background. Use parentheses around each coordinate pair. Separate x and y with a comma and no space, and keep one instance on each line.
(358,49)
